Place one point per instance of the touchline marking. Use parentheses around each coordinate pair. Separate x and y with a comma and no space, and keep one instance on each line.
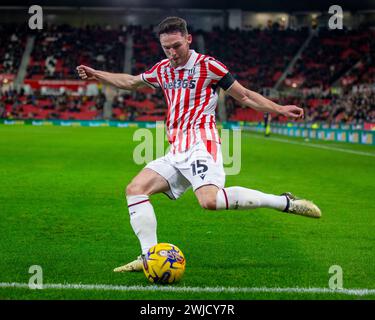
(319,146)
(154,288)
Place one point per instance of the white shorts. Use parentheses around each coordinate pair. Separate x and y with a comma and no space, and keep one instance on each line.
(196,167)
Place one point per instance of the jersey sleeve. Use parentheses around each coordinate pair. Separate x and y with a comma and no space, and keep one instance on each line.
(216,69)
(219,72)
(150,77)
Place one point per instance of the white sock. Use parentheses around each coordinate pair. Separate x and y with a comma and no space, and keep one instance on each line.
(243,198)
(143,220)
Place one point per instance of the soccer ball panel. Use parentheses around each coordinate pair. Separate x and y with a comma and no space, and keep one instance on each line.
(164,263)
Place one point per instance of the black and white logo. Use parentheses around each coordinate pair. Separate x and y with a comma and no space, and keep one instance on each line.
(199,167)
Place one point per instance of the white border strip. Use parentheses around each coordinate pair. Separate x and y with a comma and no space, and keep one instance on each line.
(313,145)
(154,288)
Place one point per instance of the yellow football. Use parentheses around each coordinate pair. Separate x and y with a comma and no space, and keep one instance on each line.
(164,263)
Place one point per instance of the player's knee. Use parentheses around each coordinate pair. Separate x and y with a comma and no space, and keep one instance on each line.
(134,189)
(208,203)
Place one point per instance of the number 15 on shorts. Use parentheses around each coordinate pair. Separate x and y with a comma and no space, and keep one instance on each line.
(198,167)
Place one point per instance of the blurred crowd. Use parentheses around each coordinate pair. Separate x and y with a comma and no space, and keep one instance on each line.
(12,45)
(257,58)
(149,105)
(58,48)
(18,105)
(354,107)
(333,54)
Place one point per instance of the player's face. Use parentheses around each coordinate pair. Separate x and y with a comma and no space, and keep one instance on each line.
(176,47)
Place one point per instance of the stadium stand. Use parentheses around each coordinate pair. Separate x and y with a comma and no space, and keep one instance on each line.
(144,105)
(36,106)
(342,59)
(58,48)
(146,49)
(257,58)
(329,55)
(12,45)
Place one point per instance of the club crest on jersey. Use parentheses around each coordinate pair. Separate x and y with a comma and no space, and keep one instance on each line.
(191,71)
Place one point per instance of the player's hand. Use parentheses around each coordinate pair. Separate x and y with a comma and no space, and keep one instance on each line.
(86,73)
(292,111)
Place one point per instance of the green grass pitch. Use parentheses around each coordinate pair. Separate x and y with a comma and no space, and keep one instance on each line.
(62,207)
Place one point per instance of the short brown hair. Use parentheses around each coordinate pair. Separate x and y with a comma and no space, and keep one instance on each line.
(171,25)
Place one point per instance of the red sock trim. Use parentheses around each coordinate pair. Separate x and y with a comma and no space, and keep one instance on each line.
(226,199)
(137,203)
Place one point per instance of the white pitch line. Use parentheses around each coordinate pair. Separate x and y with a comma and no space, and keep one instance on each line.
(154,288)
(319,146)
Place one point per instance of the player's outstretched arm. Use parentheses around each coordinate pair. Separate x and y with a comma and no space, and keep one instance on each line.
(120,80)
(258,102)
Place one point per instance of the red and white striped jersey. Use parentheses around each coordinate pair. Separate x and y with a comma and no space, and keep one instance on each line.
(191,94)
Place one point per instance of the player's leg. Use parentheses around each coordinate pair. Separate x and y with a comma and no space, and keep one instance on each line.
(147,182)
(245,198)
(206,173)
(267,124)
(212,198)
(206,196)
(207,177)
(158,176)
(141,211)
